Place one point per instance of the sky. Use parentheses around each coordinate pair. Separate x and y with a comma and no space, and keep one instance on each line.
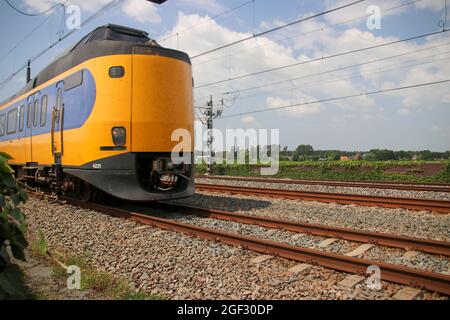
(412,119)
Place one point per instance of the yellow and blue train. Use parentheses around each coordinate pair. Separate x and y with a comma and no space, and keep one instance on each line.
(101,117)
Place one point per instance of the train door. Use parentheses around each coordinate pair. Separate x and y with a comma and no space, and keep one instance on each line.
(57,125)
(35,157)
(29,115)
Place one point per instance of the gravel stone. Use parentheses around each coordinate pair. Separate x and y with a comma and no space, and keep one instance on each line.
(332,189)
(419,224)
(181,267)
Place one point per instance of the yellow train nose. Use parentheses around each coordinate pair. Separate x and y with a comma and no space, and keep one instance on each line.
(162,102)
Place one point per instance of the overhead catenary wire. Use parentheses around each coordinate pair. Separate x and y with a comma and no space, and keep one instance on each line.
(402,5)
(355,75)
(35,14)
(278,28)
(206,20)
(25,38)
(89,19)
(322,58)
(338,98)
(271,84)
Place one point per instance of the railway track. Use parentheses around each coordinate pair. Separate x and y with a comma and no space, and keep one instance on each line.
(390,240)
(392,273)
(440,206)
(351,184)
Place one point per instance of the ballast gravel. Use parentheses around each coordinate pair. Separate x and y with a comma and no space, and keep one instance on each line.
(181,267)
(331,189)
(426,262)
(419,224)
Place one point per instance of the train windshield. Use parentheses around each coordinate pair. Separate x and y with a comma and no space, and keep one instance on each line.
(119,35)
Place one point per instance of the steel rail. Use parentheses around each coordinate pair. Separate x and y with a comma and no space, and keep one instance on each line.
(389,272)
(390,240)
(441,206)
(351,184)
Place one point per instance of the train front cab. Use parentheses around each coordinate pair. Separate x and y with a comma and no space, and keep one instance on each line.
(141,100)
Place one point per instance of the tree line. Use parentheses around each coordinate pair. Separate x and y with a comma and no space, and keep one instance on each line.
(307,153)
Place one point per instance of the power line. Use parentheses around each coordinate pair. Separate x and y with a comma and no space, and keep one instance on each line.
(340,68)
(338,98)
(308,32)
(25,38)
(35,14)
(89,19)
(321,59)
(278,28)
(357,75)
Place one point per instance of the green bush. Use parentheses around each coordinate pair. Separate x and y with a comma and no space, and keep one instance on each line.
(12,232)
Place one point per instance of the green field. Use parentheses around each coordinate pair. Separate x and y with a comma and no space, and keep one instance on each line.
(401,171)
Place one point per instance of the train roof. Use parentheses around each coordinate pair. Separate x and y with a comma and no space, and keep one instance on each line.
(105,40)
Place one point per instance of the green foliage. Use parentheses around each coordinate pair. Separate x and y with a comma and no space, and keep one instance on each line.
(341,170)
(41,244)
(12,232)
(103,283)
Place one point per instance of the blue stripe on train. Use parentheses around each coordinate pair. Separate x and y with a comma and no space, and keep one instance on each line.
(78,105)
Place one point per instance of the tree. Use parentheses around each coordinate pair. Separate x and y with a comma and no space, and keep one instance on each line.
(369,157)
(12,232)
(383,155)
(305,150)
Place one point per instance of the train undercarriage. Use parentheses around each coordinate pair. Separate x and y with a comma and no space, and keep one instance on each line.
(134,177)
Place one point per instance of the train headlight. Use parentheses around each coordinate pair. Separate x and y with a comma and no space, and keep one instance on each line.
(119,136)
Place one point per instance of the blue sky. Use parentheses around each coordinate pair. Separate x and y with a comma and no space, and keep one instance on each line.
(412,119)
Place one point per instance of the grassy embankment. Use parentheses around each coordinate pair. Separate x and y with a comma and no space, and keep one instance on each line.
(103,284)
(343,170)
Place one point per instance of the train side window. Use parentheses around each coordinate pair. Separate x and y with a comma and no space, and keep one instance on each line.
(36,112)
(44,102)
(73,81)
(21,117)
(2,124)
(29,115)
(11,127)
(58,97)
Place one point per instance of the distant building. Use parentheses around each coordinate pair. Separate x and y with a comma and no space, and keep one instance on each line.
(357,157)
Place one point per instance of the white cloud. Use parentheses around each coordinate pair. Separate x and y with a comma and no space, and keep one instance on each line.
(265,53)
(357,14)
(42,5)
(298,111)
(212,6)
(251,121)
(248,119)
(435,5)
(404,111)
(141,11)
(436,129)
